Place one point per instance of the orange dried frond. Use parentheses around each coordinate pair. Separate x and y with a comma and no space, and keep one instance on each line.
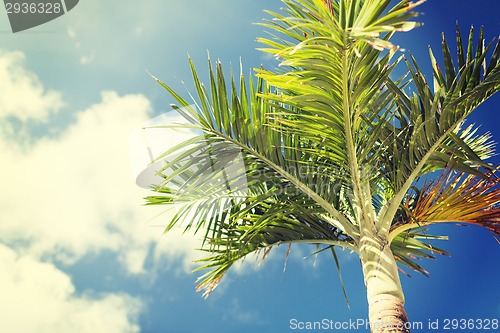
(460,197)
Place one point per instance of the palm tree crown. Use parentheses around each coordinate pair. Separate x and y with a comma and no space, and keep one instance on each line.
(333,148)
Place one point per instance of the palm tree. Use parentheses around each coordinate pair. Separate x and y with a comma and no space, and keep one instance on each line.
(332,149)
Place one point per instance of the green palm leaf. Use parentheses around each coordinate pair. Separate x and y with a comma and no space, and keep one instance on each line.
(431,136)
(283,200)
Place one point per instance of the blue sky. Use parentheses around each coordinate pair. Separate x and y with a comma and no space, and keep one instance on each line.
(79,253)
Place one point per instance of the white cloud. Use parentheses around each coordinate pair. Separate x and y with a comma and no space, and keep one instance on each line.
(22,94)
(87,59)
(76,185)
(74,194)
(176,245)
(38,297)
(71,32)
(80,191)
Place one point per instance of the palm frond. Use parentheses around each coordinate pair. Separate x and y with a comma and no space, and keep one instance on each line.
(431,136)
(454,198)
(414,245)
(259,144)
(335,73)
(246,185)
(259,225)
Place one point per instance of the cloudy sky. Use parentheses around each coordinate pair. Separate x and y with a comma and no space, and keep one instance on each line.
(79,252)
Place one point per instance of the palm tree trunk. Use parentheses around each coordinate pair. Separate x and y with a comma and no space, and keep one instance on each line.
(384,291)
(387,314)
